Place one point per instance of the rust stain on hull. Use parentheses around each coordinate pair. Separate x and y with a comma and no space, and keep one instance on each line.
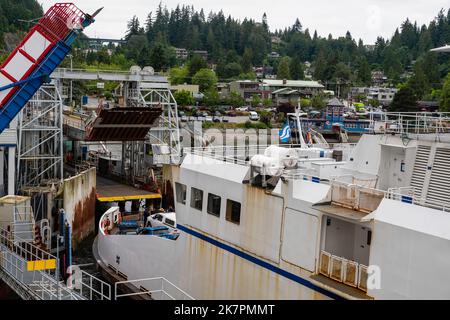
(84,217)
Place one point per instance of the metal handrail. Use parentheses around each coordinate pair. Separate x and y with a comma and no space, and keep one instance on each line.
(163,280)
(397,195)
(91,288)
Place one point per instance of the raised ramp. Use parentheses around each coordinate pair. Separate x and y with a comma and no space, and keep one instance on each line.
(122,124)
(37,56)
(112,191)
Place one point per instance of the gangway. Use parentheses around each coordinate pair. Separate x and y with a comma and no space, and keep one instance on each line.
(37,56)
(33,273)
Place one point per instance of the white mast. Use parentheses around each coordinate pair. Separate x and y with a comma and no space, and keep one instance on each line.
(303,144)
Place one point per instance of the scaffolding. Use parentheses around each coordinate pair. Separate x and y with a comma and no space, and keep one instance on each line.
(40,141)
(165,131)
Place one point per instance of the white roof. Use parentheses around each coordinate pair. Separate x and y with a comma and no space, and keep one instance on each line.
(310,191)
(215,168)
(292,83)
(413,217)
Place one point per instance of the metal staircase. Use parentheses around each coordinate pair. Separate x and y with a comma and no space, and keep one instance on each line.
(439,186)
(34,274)
(23,225)
(420,170)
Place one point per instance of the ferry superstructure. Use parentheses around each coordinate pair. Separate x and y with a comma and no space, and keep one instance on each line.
(364,221)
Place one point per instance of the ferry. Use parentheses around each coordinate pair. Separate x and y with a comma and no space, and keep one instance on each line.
(357,221)
(346,221)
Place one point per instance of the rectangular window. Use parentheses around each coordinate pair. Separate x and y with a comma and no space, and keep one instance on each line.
(233,211)
(197,199)
(214,204)
(181,192)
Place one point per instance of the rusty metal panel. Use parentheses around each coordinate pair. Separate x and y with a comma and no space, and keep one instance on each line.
(122,124)
(351,273)
(79,203)
(362,278)
(337,268)
(325,263)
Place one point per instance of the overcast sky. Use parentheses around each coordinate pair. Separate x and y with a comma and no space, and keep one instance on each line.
(365,19)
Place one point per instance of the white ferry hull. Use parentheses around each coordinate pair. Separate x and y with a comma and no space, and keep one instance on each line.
(205,270)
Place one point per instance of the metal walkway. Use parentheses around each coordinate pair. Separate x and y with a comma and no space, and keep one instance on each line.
(110,75)
(34,274)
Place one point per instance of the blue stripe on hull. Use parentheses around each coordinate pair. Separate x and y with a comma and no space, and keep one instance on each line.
(261,263)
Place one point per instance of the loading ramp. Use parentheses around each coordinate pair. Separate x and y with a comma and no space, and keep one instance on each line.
(29,66)
(122,124)
(112,191)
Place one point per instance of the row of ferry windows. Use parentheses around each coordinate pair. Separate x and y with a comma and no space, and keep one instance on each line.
(233,212)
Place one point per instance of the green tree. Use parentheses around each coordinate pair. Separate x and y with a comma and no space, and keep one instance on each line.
(305,103)
(445,95)
(236,99)
(205,78)
(267,102)
(133,27)
(195,64)
(247,60)
(364,72)
(404,100)
(179,75)
(266,117)
(184,98)
(342,72)
(296,69)
(418,82)
(159,58)
(232,70)
(318,101)
(283,68)
(211,97)
(247,76)
(256,100)
(374,103)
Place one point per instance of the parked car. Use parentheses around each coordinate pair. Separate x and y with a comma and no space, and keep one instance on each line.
(253,116)
(163,219)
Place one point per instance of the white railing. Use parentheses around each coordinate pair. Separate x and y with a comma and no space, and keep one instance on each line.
(343,270)
(410,195)
(239,154)
(41,282)
(80,125)
(155,288)
(92,287)
(412,122)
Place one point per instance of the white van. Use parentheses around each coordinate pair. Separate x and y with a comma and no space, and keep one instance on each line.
(253,116)
(167,219)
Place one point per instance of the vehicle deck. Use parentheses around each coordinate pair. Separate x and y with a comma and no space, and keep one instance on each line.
(112,191)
